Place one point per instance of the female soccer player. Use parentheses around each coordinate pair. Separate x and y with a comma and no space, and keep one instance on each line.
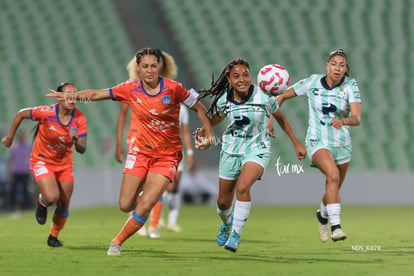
(334,105)
(154,156)
(167,69)
(61,126)
(245,144)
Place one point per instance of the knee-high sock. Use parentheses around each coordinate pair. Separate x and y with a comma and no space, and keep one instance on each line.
(241,214)
(334,213)
(133,224)
(225,215)
(156,213)
(59,220)
(174,208)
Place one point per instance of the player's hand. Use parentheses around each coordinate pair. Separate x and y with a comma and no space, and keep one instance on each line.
(7,141)
(201,141)
(119,154)
(337,123)
(300,151)
(60,96)
(270,129)
(73,134)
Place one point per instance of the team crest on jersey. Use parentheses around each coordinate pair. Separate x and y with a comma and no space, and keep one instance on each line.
(166,99)
(341,93)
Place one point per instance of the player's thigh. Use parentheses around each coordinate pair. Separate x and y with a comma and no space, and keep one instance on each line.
(130,188)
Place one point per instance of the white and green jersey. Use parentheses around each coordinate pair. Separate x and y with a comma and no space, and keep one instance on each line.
(326,103)
(247,121)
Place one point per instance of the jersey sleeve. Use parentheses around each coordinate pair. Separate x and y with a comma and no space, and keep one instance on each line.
(354,95)
(119,92)
(190,97)
(301,88)
(82,126)
(39,112)
(272,105)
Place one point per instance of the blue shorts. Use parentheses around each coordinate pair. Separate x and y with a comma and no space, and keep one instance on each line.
(230,165)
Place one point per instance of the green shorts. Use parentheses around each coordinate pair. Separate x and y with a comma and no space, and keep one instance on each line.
(230,165)
(340,155)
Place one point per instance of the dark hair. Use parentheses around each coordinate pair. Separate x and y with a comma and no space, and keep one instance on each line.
(221,85)
(146,52)
(62,85)
(58,89)
(340,52)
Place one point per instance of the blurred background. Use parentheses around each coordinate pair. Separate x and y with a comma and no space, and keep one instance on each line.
(89,43)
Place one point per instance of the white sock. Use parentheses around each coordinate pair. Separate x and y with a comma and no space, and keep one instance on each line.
(324,211)
(334,213)
(225,215)
(175,205)
(166,197)
(241,213)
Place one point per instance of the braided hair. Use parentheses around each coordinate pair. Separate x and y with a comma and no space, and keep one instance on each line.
(220,86)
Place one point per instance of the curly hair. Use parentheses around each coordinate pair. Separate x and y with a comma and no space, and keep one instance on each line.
(220,86)
(168,70)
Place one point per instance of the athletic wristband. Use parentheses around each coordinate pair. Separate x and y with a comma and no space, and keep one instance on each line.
(190,152)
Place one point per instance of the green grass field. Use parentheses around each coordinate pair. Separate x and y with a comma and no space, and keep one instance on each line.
(276,241)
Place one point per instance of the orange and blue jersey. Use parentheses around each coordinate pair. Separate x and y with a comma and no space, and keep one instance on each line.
(155,118)
(53,144)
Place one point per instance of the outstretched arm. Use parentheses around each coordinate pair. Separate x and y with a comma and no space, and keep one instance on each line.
(20,116)
(287,128)
(120,126)
(81,96)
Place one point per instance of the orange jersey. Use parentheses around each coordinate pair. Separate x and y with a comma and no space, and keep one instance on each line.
(53,144)
(155,118)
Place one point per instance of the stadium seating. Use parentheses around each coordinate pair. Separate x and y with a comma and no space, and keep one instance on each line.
(299,34)
(44,43)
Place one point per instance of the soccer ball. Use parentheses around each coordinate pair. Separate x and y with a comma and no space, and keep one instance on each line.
(273,79)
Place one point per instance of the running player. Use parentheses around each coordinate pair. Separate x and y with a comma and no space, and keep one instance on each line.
(245,149)
(60,126)
(334,105)
(156,152)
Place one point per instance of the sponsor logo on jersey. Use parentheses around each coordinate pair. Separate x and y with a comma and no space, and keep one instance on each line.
(241,120)
(153,111)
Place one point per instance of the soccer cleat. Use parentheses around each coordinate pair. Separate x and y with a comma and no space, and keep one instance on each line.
(153,233)
(174,228)
(323,227)
(41,214)
(114,249)
(142,231)
(54,242)
(233,242)
(338,235)
(223,232)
